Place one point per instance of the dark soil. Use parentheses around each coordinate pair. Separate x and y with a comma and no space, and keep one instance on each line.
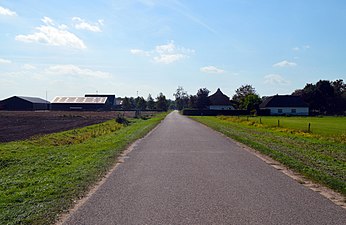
(23,125)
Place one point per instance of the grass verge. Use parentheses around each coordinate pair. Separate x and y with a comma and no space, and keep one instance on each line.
(40,177)
(320,159)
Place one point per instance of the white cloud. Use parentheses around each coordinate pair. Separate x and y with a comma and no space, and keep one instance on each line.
(285,63)
(166,54)
(53,35)
(29,67)
(77,71)
(81,24)
(47,21)
(304,47)
(211,69)
(7,12)
(5,61)
(168,58)
(139,52)
(275,79)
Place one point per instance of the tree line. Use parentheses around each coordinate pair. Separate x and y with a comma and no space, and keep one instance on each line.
(325,97)
(139,103)
(245,97)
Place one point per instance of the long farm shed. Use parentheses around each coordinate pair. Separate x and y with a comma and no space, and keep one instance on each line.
(79,103)
(22,103)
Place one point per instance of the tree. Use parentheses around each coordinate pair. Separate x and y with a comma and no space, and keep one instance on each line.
(126,104)
(161,102)
(241,93)
(192,102)
(150,102)
(251,102)
(202,101)
(141,104)
(324,97)
(181,98)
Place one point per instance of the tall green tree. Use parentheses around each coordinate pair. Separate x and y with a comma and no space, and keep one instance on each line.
(150,103)
(202,101)
(181,98)
(241,93)
(141,104)
(324,97)
(251,102)
(126,104)
(192,102)
(161,102)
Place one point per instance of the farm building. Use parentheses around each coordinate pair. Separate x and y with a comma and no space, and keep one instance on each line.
(285,105)
(22,103)
(119,103)
(79,103)
(110,102)
(220,101)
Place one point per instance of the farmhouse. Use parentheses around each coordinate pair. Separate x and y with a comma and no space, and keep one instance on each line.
(80,103)
(22,103)
(220,101)
(285,105)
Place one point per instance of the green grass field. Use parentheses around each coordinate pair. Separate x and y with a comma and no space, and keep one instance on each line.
(40,178)
(320,157)
(326,126)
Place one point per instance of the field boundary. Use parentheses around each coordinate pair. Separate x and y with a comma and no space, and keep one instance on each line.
(323,190)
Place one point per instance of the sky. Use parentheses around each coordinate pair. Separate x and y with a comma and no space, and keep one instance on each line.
(129,47)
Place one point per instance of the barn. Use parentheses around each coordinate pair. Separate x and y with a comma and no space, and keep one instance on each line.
(22,103)
(79,103)
(110,102)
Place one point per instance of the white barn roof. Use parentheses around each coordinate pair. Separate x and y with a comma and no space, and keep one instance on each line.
(80,100)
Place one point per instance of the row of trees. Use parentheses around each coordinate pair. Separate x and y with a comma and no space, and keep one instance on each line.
(140,103)
(198,101)
(325,97)
(245,98)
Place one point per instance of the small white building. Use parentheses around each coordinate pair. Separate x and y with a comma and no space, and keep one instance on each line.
(220,101)
(285,105)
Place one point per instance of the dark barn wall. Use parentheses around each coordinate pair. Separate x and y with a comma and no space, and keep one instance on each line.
(75,106)
(41,106)
(17,104)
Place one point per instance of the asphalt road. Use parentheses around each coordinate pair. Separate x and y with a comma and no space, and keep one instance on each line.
(185,173)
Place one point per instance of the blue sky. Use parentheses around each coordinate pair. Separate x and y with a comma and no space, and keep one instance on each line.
(69,48)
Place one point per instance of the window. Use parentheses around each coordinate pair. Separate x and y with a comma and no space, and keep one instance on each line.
(279,110)
(293,111)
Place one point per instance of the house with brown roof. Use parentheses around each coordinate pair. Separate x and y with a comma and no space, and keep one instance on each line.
(285,105)
(220,101)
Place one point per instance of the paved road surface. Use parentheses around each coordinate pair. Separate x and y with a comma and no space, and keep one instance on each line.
(185,173)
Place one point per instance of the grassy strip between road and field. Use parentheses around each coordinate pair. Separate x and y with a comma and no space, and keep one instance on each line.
(318,157)
(41,177)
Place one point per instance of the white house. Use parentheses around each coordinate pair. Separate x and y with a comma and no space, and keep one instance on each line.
(285,105)
(220,101)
